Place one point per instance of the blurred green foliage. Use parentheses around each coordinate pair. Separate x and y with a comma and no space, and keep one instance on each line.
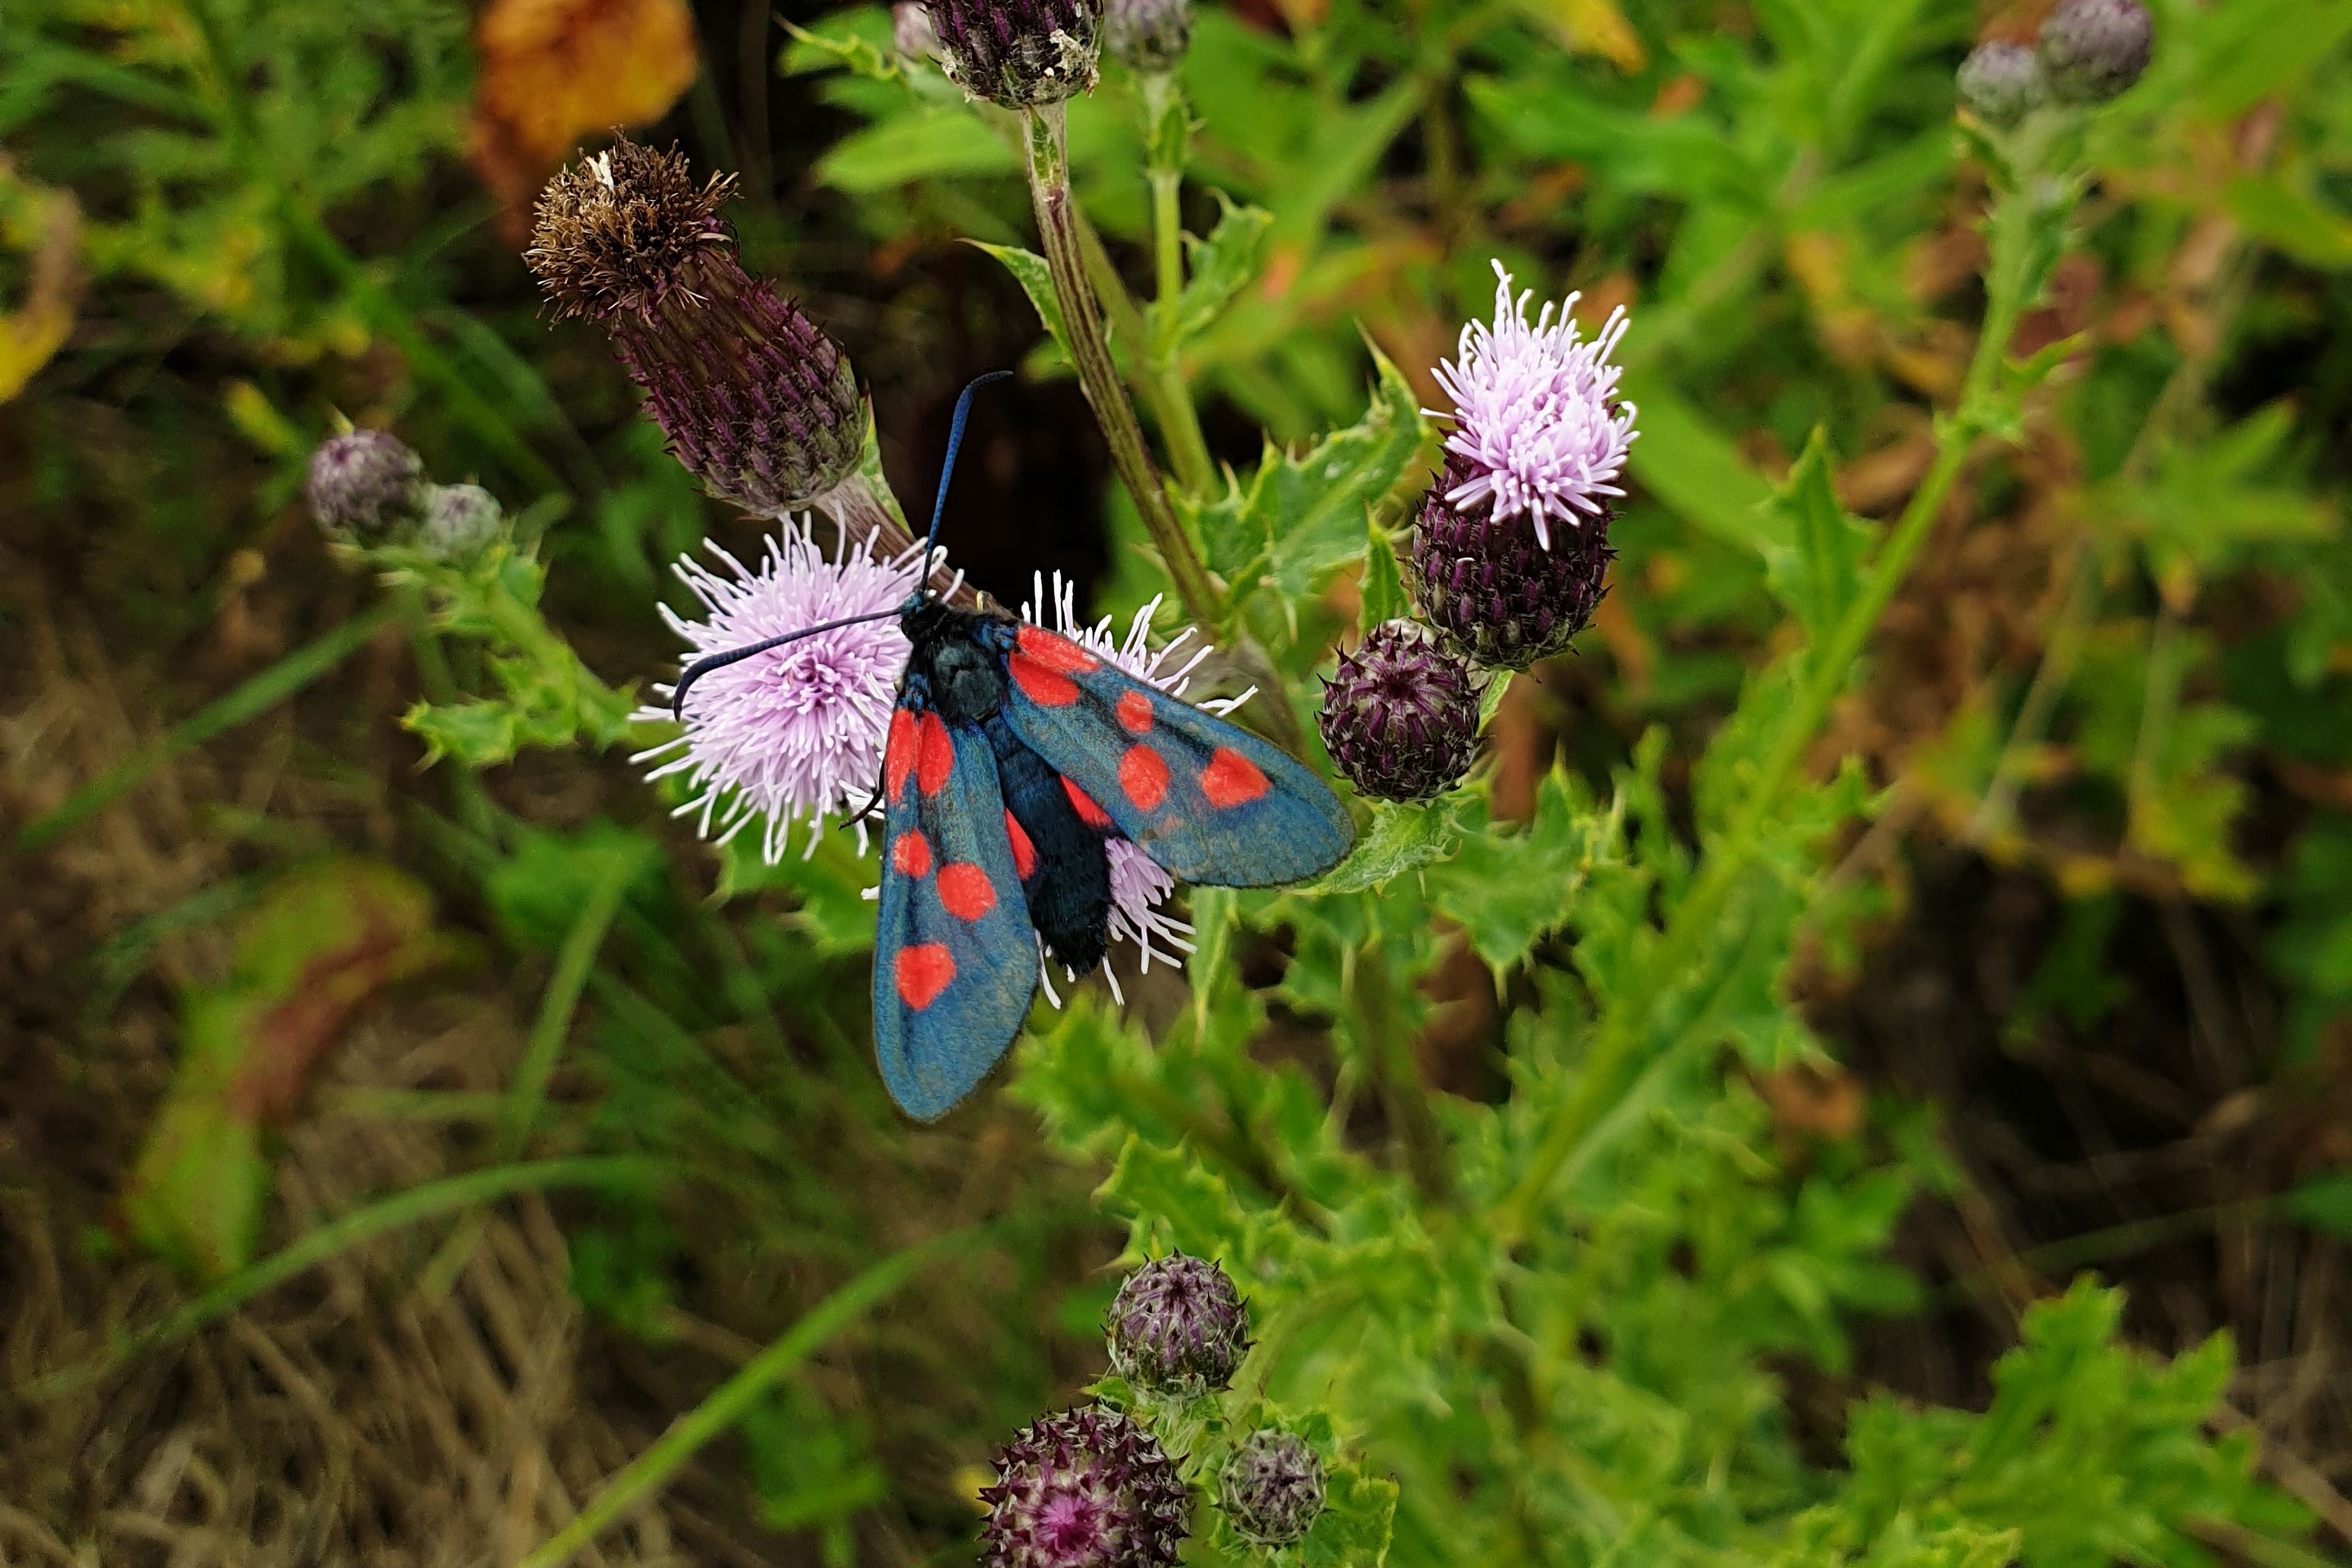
(1556,1317)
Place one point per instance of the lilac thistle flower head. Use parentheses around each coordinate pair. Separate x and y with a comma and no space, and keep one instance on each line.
(1139,886)
(795,732)
(1536,418)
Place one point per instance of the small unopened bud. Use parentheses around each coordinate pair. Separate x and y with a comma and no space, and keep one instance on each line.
(1148,35)
(911,32)
(365,486)
(1018,53)
(2092,50)
(1999,82)
(1272,1488)
(1086,1488)
(759,404)
(459,522)
(1401,716)
(1177,1327)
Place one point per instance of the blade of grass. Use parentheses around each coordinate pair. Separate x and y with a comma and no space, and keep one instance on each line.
(250,701)
(636,1482)
(450,1194)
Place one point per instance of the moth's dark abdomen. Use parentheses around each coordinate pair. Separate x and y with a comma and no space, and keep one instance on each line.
(1067,885)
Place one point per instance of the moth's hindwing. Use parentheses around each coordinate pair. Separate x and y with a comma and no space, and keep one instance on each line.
(955,961)
(1209,801)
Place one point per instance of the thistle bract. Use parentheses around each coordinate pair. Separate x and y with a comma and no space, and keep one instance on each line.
(364,486)
(2093,50)
(759,404)
(1019,53)
(1490,583)
(1086,1488)
(1401,716)
(1999,82)
(1177,1327)
(1272,1488)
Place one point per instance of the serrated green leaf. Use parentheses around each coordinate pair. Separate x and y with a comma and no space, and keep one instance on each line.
(1037,279)
(1382,589)
(1818,573)
(1509,891)
(1402,838)
(1357,1521)
(1221,265)
(929,144)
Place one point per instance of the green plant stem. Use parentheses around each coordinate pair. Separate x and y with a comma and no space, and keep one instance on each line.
(864,509)
(453,1193)
(637,1481)
(1057,228)
(1728,859)
(1166,136)
(1158,382)
(1396,1073)
(250,701)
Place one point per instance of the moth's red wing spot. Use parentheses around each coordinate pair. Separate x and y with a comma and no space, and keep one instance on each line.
(910,854)
(1090,814)
(1231,779)
(1143,777)
(898,759)
(964,891)
(1040,682)
(922,972)
(1059,655)
(937,758)
(1135,712)
(1025,854)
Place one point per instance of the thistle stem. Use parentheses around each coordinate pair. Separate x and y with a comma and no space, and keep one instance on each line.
(863,507)
(1057,228)
(1694,921)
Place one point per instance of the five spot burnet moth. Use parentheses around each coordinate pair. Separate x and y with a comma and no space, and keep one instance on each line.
(1012,755)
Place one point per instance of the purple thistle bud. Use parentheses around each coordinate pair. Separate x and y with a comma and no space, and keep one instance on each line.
(1148,35)
(759,404)
(459,522)
(1401,717)
(1086,1488)
(1177,1327)
(1018,53)
(1537,421)
(364,486)
(795,732)
(1998,83)
(1489,583)
(2093,50)
(1272,1488)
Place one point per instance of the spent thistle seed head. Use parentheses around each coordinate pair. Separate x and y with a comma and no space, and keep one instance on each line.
(759,404)
(1401,716)
(1019,53)
(1493,586)
(364,487)
(1177,1327)
(1272,1488)
(1086,1489)
(2000,82)
(2093,50)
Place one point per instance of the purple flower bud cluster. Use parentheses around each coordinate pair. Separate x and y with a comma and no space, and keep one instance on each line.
(2087,52)
(1510,545)
(1093,1487)
(368,490)
(759,404)
(1019,53)
(1148,35)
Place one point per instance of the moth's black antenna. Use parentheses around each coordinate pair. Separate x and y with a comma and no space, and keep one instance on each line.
(702,666)
(955,439)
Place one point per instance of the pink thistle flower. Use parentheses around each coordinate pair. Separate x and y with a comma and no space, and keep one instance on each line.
(1138,886)
(795,732)
(1535,414)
